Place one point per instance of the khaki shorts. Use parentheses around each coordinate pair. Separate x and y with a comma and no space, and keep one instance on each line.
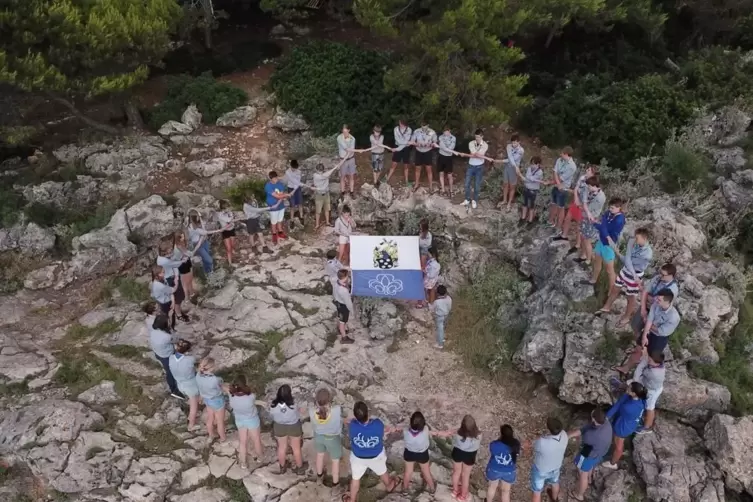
(332,445)
(281,430)
(322,201)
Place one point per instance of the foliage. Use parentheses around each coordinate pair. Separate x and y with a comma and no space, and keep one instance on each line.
(618,121)
(453,62)
(681,165)
(11,203)
(744,241)
(211,97)
(331,84)
(726,22)
(82,48)
(195,60)
(243,191)
(129,289)
(717,76)
(70,222)
(285,9)
(14,267)
(81,373)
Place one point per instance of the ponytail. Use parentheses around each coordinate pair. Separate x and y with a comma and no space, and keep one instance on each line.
(323,401)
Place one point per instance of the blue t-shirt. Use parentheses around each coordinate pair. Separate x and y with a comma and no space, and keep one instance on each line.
(366,440)
(503,457)
(271,188)
(611,225)
(626,415)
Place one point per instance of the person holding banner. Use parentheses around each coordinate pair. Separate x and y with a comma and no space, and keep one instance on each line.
(431,277)
(344,304)
(344,227)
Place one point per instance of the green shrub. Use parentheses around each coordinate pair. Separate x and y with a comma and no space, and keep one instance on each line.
(70,222)
(681,165)
(331,84)
(618,121)
(241,192)
(744,240)
(11,203)
(14,267)
(195,59)
(211,97)
(718,76)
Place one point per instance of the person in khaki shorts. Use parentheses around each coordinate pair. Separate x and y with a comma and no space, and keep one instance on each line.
(326,420)
(286,426)
(322,200)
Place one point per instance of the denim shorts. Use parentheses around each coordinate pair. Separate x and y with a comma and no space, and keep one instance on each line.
(247,423)
(586,464)
(508,477)
(296,197)
(559,197)
(539,480)
(529,198)
(216,403)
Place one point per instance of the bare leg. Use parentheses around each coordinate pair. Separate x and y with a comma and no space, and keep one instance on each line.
(193,411)
(531,215)
(561,217)
(282,450)
(229,250)
(597,267)
(187,281)
(418,177)
(583,478)
(555,493)
(457,470)
(256,440)
(450,180)
(648,419)
(405,172)
(536,497)
(441,182)
(219,417)
(342,327)
(552,214)
(619,446)
(491,490)
(426,474)
(355,485)
(504,489)
(614,293)
(392,171)
(629,309)
(242,452)
(320,464)
(210,422)
(341,253)
(295,445)
(430,174)
(335,471)
(343,180)
(352,182)
(523,212)
(466,479)
(609,265)
(408,474)
(566,225)
(589,252)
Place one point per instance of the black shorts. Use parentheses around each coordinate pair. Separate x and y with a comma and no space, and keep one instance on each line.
(463,457)
(655,343)
(185,267)
(179,294)
(444,163)
(343,314)
(253,226)
(165,307)
(401,155)
(226,234)
(412,456)
(423,158)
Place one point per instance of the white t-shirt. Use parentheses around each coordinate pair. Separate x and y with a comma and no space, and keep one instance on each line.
(479,148)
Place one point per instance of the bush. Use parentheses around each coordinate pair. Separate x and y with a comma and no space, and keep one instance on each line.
(717,76)
(211,97)
(11,203)
(619,122)
(681,166)
(14,267)
(331,84)
(196,59)
(70,223)
(242,191)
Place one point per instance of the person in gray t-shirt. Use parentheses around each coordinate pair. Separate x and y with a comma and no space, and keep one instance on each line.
(243,403)
(549,453)
(417,441)
(183,368)
(595,439)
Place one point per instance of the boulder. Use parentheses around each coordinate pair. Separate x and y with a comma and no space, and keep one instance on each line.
(42,278)
(172,127)
(151,218)
(149,478)
(288,121)
(727,160)
(730,442)
(674,467)
(205,494)
(17,365)
(736,197)
(241,116)
(103,249)
(191,117)
(691,397)
(102,393)
(36,240)
(207,168)
(129,157)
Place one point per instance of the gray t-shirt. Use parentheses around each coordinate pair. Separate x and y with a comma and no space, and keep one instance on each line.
(284,415)
(416,441)
(549,452)
(161,342)
(599,438)
(330,426)
(468,444)
(183,368)
(442,306)
(161,292)
(210,386)
(244,407)
(321,183)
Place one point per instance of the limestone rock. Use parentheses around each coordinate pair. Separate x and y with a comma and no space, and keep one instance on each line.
(241,116)
(203,494)
(42,278)
(191,117)
(207,168)
(130,157)
(102,393)
(95,462)
(172,127)
(730,442)
(194,476)
(151,218)
(17,365)
(692,397)
(288,121)
(227,357)
(149,478)
(36,240)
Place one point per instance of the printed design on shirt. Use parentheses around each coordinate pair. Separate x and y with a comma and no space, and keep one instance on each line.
(503,459)
(364,442)
(385,255)
(386,284)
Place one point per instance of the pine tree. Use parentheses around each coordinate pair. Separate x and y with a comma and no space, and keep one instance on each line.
(70,49)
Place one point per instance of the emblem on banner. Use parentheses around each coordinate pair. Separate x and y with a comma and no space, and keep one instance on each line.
(385,255)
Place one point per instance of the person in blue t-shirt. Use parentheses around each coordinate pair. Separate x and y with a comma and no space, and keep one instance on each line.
(610,228)
(367,450)
(502,467)
(276,191)
(626,416)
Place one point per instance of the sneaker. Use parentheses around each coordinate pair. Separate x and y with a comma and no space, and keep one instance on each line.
(437,346)
(648,430)
(560,238)
(474,205)
(347,340)
(609,465)
(178,395)
(466,202)
(320,479)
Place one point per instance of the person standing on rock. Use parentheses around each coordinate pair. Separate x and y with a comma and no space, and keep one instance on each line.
(167,291)
(465,445)
(344,228)
(326,420)
(198,237)
(651,373)
(609,229)
(592,205)
(548,455)
(446,144)
(417,441)
(243,404)
(344,304)
(475,172)
(441,310)
(431,278)
(286,425)
(575,211)
(626,416)
(183,368)
(253,213)
(501,471)
(511,166)
(181,253)
(664,280)
(635,261)
(595,439)
(532,182)
(564,175)
(322,199)
(275,193)
(366,451)
(293,182)
(346,147)
(227,228)
(401,153)
(424,138)
(377,153)
(161,343)
(212,393)
(662,320)
(425,241)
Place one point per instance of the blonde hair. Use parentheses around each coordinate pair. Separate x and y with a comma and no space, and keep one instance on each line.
(206,365)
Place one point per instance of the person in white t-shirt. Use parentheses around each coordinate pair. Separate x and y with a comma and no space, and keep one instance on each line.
(401,153)
(476,157)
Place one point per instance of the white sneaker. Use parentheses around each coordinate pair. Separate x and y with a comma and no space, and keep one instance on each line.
(437,346)
(609,465)
(466,202)
(473,204)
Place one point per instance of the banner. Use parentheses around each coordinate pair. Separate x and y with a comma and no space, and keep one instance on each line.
(386,267)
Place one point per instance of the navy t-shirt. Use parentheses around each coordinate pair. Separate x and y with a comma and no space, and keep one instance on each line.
(366,440)
(503,457)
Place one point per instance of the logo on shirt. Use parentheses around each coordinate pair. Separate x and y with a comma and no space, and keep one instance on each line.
(363,442)
(386,284)
(385,255)
(503,459)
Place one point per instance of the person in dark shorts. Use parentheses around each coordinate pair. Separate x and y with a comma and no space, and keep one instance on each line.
(446,144)
(532,182)
(253,224)
(424,138)
(293,182)
(169,275)
(417,441)
(181,252)
(344,304)
(227,225)
(502,469)
(465,443)
(286,425)
(596,438)
(401,153)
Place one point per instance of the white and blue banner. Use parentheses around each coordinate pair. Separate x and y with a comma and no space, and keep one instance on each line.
(386,267)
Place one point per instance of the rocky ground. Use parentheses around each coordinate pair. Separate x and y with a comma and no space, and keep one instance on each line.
(85,413)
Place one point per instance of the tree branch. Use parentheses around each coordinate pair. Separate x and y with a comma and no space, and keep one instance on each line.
(398,13)
(83,118)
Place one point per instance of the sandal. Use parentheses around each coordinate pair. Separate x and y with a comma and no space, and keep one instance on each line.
(571,495)
(396,482)
(622,323)
(345,497)
(601,312)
